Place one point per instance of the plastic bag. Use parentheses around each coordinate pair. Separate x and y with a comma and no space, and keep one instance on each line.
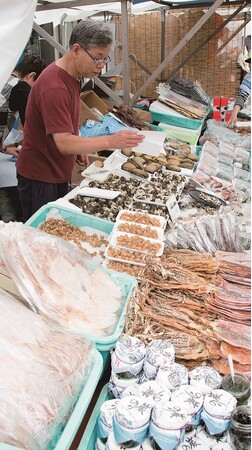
(60,282)
(13,137)
(208,233)
(42,372)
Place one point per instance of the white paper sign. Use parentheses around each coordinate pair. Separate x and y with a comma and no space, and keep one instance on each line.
(173,208)
(152,143)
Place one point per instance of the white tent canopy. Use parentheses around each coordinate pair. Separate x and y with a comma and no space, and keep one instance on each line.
(82,12)
(16,20)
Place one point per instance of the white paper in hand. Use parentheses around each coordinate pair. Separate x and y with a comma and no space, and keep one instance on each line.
(153,142)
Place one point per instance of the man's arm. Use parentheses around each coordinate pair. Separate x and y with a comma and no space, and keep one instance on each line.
(18,99)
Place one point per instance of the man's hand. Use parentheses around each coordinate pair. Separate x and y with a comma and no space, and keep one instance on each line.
(82,160)
(12,151)
(125,139)
(233,118)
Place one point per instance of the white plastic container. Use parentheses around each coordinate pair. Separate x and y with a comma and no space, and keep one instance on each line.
(147,219)
(151,245)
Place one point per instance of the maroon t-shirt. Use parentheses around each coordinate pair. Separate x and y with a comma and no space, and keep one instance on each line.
(53,107)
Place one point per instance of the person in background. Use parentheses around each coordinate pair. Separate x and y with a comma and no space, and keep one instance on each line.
(243,94)
(14,97)
(13,101)
(51,133)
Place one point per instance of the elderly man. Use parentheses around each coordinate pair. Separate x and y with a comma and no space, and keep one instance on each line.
(51,133)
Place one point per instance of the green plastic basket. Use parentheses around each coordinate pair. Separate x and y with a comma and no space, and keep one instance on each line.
(89,437)
(193,124)
(75,218)
(190,138)
(79,410)
(126,282)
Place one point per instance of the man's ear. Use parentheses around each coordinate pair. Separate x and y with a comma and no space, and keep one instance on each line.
(30,78)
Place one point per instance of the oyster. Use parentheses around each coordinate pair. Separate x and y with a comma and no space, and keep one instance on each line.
(127,152)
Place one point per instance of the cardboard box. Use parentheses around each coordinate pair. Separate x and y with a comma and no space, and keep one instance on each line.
(89,101)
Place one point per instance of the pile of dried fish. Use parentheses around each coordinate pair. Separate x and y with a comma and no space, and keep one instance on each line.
(207,233)
(170,303)
(129,116)
(178,300)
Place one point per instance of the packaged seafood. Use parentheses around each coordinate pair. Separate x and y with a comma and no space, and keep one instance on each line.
(128,356)
(191,400)
(168,423)
(131,420)
(139,229)
(153,392)
(142,218)
(138,243)
(217,408)
(125,255)
(205,378)
(172,375)
(159,352)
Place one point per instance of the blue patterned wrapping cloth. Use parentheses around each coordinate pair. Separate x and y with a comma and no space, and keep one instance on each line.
(108,125)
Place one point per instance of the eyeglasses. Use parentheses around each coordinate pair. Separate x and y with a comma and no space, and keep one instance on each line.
(97,61)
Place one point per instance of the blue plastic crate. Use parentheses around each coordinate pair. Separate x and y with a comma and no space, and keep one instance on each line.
(79,410)
(89,437)
(75,218)
(126,282)
(193,124)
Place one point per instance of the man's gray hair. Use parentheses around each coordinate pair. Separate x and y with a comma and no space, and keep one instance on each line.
(90,33)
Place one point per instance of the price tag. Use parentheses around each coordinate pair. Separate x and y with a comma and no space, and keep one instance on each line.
(173,208)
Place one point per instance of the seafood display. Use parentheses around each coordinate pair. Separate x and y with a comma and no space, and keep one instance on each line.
(181,298)
(133,194)
(42,372)
(62,283)
(72,233)
(175,158)
(207,233)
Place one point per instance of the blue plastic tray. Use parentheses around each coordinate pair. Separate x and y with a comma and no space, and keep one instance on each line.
(127,282)
(193,124)
(89,437)
(75,218)
(79,410)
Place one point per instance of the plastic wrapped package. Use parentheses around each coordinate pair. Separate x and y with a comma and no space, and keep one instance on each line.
(210,148)
(242,185)
(224,134)
(242,174)
(60,282)
(242,156)
(42,372)
(225,172)
(226,160)
(208,233)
